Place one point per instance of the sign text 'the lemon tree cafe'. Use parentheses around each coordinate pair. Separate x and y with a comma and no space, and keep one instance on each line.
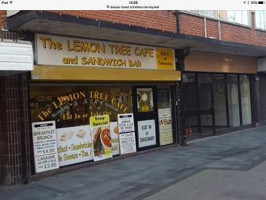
(68,51)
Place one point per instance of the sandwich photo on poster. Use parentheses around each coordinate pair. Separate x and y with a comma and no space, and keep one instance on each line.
(101,137)
(74,145)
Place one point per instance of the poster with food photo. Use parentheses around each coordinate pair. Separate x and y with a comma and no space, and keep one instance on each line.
(115,138)
(165,126)
(101,135)
(74,145)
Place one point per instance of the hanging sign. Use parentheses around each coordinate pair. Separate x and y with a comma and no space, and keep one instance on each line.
(74,145)
(127,139)
(102,143)
(45,146)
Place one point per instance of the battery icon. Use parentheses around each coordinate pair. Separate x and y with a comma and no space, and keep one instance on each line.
(261,2)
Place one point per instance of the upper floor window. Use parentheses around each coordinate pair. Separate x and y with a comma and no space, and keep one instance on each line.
(240,17)
(207,13)
(260,19)
(235,16)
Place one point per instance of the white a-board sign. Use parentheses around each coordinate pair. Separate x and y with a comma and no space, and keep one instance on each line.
(45,146)
(126,133)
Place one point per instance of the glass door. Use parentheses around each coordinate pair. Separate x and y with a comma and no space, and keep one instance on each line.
(146,120)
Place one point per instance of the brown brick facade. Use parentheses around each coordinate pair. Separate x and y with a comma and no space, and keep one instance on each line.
(2,18)
(14,121)
(194,25)
(159,20)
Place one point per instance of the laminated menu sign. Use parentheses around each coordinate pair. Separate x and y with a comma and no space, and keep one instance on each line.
(146,131)
(101,136)
(126,133)
(45,146)
(127,142)
(125,122)
(74,145)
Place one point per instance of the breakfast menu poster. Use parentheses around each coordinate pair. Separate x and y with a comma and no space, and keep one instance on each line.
(44,146)
(101,136)
(74,145)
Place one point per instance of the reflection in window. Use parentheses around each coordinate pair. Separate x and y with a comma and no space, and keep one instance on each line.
(260,19)
(74,105)
(240,17)
(219,100)
(235,16)
(245,99)
(233,100)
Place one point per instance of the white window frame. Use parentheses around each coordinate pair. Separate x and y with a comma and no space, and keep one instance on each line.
(243,22)
(260,19)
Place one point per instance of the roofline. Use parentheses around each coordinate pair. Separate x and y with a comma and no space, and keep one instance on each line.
(21,18)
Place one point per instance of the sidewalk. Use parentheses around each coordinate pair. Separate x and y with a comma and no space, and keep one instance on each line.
(172,173)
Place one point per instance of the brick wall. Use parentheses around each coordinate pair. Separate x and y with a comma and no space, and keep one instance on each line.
(160,20)
(194,25)
(2,18)
(13,94)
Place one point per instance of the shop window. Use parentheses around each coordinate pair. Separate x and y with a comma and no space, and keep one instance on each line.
(245,99)
(204,78)
(233,100)
(189,78)
(206,124)
(74,105)
(260,16)
(205,91)
(219,100)
(190,91)
(71,107)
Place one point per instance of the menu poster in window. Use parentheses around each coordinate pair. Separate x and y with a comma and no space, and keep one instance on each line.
(146,133)
(115,138)
(126,122)
(145,99)
(74,145)
(165,126)
(127,142)
(101,137)
(126,133)
(44,146)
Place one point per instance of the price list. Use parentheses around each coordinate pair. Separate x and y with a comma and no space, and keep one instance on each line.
(126,133)
(45,146)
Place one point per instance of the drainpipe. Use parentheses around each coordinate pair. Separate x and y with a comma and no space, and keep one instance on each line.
(219,30)
(178,21)
(205,27)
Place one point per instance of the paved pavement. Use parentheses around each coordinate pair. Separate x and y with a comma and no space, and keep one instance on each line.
(230,167)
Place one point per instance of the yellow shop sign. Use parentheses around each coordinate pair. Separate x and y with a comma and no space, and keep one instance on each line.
(68,51)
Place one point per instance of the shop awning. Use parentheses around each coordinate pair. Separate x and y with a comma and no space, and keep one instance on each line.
(56,73)
(16,56)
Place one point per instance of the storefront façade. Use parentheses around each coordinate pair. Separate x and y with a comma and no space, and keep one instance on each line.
(93,100)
